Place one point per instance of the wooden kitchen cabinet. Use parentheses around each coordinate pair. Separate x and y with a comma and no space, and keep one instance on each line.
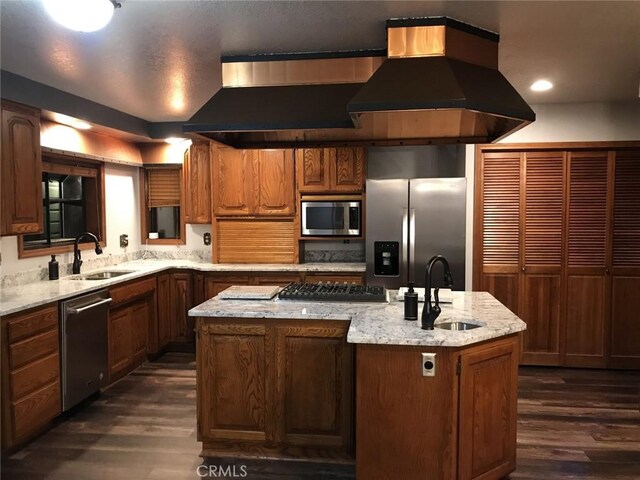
(31,392)
(459,423)
(558,243)
(275,385)
(253,182)
(133,325)
(196,173)
(331,170)
(21,170)
(175,298)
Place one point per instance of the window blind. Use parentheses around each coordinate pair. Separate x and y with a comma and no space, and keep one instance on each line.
(163,187)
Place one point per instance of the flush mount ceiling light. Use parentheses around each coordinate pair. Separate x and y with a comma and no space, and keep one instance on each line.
(175,140)
(541,85)
(81,15)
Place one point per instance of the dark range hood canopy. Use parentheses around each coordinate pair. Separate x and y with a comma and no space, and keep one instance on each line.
(438,83)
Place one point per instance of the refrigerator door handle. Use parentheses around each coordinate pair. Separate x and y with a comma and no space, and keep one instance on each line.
(412,245)
(405,245)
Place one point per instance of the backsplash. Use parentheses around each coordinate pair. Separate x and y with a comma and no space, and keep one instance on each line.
(333,256)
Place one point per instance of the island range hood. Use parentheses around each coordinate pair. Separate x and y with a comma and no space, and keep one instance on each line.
(437,82)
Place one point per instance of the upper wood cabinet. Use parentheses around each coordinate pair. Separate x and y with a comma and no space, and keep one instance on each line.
(21,170)
(253,182)
(331,170)
(196,173)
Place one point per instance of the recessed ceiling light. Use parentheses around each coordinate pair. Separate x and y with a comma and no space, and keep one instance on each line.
(81,15)
(70,121)
(541,85)
(175,140)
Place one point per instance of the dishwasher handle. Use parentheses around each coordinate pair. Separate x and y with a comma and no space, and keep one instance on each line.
(75,311)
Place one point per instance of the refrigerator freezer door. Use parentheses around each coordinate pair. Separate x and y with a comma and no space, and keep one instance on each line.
(439,212)
(387,220)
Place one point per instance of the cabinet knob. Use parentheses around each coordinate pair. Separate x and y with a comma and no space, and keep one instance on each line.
(607,271)
(524,269)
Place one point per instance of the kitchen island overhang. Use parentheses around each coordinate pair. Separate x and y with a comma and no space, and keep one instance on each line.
(276,379)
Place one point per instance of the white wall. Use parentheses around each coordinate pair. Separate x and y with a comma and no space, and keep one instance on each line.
(571,122)
(122,216)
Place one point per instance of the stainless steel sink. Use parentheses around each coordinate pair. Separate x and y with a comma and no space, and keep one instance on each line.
(102,275)
(457,326)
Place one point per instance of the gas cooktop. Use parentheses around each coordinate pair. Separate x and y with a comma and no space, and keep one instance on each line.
(333,292)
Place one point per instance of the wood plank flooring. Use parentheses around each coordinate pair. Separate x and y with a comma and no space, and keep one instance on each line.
(573,424)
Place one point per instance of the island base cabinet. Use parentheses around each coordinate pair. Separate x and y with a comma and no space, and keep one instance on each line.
(459,423)
(281,388)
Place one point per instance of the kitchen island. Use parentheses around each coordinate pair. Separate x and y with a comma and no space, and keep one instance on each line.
(276,379)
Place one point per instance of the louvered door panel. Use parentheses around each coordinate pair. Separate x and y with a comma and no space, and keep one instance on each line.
(587,225)
(543,208)
(626,216)
(501,209)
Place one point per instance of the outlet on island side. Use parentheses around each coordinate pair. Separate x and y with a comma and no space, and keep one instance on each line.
(207,238)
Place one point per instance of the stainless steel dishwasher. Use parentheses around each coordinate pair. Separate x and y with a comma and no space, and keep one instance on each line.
(83,333)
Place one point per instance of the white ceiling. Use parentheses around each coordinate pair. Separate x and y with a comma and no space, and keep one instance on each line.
(159,60)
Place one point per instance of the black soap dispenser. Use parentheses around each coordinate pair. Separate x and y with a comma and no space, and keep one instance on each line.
(410,304)
(54,271)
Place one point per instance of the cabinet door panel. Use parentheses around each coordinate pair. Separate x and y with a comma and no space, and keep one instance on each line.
(139,313)
(626,217)
(348,170)
(488,412)
(232,182)
(625,327)
(504,287)
(279,280)
(541,312)
(119,340)
(273,182)
(585,320)
(312,167)
(181,323)
(21,172)
(197,178)
(214,285)
(314,371)
(164,310)
(233,398)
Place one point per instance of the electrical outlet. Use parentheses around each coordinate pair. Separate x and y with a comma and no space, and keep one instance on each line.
(207,238)
(124,240)
(428,364)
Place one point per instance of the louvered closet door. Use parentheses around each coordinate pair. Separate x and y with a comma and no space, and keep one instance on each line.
(500,204)
(587,292)
(542,226)
(625,281)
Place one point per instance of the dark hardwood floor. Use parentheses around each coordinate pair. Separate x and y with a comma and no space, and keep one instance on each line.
(573,424)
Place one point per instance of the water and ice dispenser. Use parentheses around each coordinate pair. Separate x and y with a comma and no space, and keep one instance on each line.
(386,258)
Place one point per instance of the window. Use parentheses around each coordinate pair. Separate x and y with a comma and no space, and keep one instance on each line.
(163,216)
(72,203)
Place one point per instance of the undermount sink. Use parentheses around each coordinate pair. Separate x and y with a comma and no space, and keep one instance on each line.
(102,275)
(457,326)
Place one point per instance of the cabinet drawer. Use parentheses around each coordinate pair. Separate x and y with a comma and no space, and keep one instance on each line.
(35,375)
(26,325)
(35,410)
(130,291)
(33,348)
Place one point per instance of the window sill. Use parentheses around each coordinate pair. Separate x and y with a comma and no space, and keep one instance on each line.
(55,250)
(164,241)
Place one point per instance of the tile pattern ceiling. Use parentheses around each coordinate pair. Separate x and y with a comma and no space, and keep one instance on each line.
(159,60)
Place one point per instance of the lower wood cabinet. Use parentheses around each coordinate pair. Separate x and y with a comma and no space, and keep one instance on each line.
(30,374)
(459,423)
(275,386)
(175,298)
(132,326)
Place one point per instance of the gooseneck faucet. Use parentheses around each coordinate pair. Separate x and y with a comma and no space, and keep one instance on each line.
(77,260)
(430,312)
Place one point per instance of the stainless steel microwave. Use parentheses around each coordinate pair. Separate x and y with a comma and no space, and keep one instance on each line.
(339,219)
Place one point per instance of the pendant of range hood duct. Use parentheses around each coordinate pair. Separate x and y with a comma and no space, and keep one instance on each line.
(439,84)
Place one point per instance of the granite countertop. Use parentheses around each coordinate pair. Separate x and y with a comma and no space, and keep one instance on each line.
(23,297)
(383,323)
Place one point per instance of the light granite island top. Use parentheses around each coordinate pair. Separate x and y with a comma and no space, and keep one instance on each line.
(382,323)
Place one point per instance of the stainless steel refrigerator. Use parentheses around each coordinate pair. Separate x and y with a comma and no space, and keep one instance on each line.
(408,222)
